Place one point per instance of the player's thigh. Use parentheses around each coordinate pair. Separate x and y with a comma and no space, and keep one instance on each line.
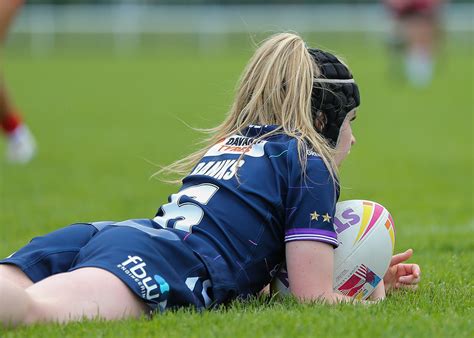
(8,10)
(152,261)
(10,7)
(52,253)
(83,293)
(15,275)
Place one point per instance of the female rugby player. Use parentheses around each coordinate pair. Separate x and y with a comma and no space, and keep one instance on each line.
(264,188)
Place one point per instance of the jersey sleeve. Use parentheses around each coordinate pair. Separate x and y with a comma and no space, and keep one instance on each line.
(311,200)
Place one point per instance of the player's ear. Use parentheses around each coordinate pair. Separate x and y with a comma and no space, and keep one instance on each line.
(320,121)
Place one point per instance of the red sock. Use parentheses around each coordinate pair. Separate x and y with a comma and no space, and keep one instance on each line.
(10,122)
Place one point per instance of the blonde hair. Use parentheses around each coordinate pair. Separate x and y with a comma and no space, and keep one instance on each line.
(274,89)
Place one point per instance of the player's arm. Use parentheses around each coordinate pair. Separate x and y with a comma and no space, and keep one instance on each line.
(310,237)
(310,266)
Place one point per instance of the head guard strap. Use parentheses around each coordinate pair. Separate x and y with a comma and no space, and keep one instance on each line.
(335,93)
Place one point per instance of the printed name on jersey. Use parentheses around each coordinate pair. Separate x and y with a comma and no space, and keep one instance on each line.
(225,169)
(237,144)
(310,152)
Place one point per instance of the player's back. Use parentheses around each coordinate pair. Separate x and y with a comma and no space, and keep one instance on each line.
(236,209)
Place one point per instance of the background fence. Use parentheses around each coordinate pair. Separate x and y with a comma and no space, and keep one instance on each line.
(127,21)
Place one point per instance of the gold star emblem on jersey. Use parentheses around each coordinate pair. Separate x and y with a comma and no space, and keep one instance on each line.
(314,216)
(327,218)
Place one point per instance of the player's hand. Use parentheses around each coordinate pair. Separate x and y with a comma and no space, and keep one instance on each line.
(402,275)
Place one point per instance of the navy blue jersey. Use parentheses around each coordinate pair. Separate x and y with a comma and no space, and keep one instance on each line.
(238,212)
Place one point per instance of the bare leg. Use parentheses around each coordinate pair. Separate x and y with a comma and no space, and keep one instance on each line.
(15,275)
(5,105)
(15,303)
(421,34)
(8,10)
(71,296)
(21,144)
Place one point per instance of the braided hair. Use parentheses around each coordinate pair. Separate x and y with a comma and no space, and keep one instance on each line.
(334,93)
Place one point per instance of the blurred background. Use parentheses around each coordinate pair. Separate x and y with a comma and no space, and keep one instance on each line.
(128,25)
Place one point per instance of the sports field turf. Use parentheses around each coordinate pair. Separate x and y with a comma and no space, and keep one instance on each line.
(103,124)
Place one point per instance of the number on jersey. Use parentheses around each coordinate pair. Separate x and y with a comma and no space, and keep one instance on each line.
(187,214)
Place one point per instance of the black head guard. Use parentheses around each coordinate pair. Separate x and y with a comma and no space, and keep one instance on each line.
(335,93)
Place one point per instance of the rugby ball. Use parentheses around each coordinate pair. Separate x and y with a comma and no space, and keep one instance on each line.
(366,236)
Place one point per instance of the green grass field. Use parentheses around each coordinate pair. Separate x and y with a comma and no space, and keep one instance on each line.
(104,123)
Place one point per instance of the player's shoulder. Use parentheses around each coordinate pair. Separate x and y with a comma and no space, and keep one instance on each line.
(278,145)
(253,141)
(299,151)
(314,172)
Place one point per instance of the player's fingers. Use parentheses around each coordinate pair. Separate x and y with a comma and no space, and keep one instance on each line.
(410,279)
(405,279)
(408,269)
(415,270)
(401,257)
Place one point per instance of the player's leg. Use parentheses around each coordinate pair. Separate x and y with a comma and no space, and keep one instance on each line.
(125,270)
(44,256)
(47,255)
(71,296)
(15,275)
(421,38)
(21,146)
(8,10)
(15,303)
(422,34)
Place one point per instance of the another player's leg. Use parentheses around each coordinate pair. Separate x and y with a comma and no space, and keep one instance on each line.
(71,296)
(421,32)
(116,270)
(8,10)
(21,145)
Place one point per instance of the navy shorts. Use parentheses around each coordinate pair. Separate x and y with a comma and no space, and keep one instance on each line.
(152,261)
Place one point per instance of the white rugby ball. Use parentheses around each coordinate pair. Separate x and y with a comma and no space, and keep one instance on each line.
(366,236)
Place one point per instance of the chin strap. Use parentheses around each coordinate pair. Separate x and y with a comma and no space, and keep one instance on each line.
(334,94)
